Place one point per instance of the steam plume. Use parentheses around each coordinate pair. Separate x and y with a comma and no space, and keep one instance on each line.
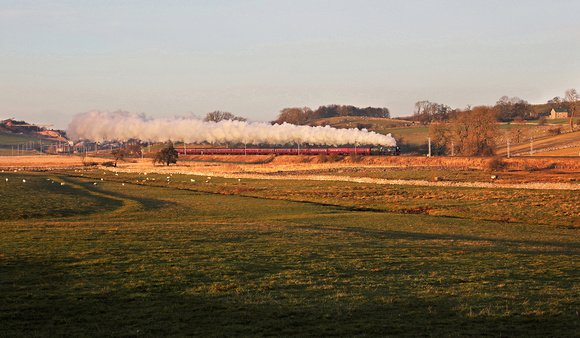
(100,126)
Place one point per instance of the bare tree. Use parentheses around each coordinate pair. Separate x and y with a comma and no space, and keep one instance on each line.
(474,131)
(119,154)
(440,134)
(571,99)
(134,148)
(296,116)
(507,109)
(427,111)
(516,129)
(217,116)
(555,103)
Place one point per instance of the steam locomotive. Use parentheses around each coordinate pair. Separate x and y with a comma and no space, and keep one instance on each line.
(387,151)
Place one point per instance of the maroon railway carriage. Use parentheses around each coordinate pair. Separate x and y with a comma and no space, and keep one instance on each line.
(290,151)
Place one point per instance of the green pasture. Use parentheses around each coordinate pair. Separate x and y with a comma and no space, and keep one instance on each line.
(162,255)
(405,131)
(9,139)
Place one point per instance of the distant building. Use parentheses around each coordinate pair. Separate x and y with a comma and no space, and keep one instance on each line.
(559,113)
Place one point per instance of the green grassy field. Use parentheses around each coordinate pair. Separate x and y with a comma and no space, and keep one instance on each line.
(9,139)
(136,256)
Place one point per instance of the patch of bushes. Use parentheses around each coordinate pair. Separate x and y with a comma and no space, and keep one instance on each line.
(324,158)
(109,164)
(496,164)
(555,131)
(361,126)
(543,121)
(88,163)
(355,158)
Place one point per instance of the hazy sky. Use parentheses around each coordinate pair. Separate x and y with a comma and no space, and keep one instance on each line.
(256,57)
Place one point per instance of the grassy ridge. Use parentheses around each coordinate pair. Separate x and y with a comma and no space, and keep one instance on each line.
(219,258)
(9,139)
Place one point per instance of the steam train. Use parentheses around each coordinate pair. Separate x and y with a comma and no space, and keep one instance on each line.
(388,151)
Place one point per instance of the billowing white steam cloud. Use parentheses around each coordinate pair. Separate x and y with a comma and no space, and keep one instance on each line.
(100,126)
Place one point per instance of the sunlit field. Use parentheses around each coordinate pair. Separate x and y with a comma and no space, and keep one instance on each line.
(91,252)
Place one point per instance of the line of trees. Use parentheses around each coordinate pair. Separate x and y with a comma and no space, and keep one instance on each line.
(506,109)
(304,115)
(216,116)
(133,149)
(471,132)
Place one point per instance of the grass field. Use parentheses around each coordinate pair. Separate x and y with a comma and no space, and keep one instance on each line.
(8,139)
(157,256)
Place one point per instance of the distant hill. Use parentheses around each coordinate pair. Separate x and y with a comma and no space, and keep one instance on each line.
(20,137)
(545,142)
(413,137)
(360,122)
(24,129)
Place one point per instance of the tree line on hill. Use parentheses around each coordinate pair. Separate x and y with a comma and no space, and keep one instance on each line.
(506,109)
(473,131)
(304,115)
(14,126)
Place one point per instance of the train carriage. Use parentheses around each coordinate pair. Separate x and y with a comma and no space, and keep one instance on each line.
(393,151)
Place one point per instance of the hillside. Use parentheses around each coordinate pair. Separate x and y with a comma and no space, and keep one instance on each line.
(370,123)
(21,138)
(567,144)
(413,137)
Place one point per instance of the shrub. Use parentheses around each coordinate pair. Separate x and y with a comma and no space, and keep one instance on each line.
(555,131)
(529,167)
(361,126)
(109,164)
(542,121)
(495,164)
(334,158)
(324,158)
(354,158)
(88,163)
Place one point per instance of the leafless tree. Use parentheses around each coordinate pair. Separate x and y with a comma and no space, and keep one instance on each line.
(474,131)
(509,108)
(296,116)
(217,116)
(571,99)
(440,135)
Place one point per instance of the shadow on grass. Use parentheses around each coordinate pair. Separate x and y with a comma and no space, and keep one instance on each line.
(127,200)
(42,300)
(488,243)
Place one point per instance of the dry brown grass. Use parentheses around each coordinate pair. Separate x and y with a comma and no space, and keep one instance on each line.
(515,170)
(46,161)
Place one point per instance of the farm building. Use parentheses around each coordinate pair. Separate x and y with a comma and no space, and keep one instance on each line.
(559,113)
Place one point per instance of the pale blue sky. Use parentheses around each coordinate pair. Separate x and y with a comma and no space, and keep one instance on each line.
(256,57)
